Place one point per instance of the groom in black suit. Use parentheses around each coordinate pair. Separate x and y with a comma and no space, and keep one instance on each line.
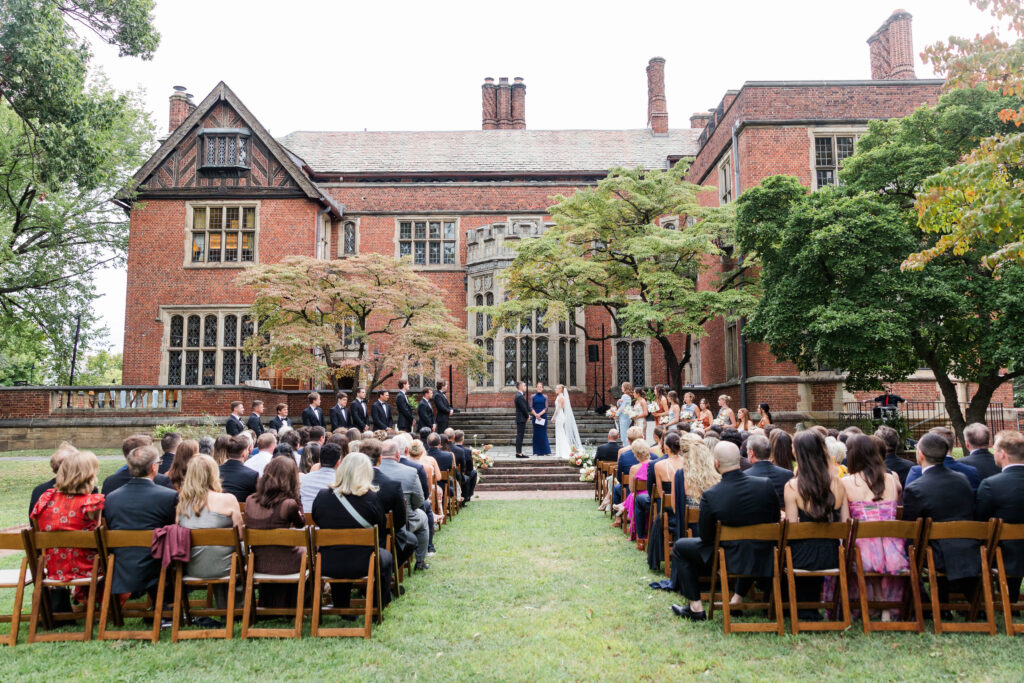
(1002,496)
(522,416)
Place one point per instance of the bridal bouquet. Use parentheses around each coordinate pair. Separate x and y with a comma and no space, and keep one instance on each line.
(588,473)
(612,413)
(664,420)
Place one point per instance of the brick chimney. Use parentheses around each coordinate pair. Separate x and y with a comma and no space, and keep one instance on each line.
(892,48)
(181,107)
(657,109)
(518,103)
(490,104)
(699,119)
(504,103)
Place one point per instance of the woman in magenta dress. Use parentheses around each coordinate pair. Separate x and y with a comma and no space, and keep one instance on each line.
(873,494)
(642,451)
(71,506)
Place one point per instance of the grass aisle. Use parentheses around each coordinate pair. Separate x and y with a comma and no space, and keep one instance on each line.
(531,590)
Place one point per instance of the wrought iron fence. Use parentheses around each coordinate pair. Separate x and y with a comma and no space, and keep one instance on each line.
(920,416)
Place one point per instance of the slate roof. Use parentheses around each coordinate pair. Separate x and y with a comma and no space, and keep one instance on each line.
(487,151)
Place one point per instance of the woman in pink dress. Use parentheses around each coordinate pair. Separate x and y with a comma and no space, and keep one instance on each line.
(642,451)
(873,494)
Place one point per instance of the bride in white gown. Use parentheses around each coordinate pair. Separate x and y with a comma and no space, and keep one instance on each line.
(566,433)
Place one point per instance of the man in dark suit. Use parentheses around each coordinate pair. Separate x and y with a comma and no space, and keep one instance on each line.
(944,496)
(359,417)
(626,460)
(978,438)
(255,422)
(405,416)
(281,421)
(381,411)
(139,504)
(893,462)
(522,417)
(468,471)
(737,500)
(392,500)
(758,452)
(425,410)
(1002,496)
(950,462)
(443,407)
(169,443)
(122,476)
(609,452)
(235,477)
(341,415)
(312,416)
(234,425)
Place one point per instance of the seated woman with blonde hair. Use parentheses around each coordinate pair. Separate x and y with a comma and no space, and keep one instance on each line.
(418,453)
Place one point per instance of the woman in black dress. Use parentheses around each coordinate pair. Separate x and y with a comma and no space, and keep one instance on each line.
(354,483)
(813,495)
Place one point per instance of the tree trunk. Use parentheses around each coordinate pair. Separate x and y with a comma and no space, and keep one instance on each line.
(977,409)
(674,364)
(952,403)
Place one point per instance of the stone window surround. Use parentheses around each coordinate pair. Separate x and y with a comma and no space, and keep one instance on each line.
(164,315)
(457,266)
(341,237)
(189,214)
(829,131)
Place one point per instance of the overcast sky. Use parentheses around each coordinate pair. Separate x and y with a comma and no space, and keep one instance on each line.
(305,65)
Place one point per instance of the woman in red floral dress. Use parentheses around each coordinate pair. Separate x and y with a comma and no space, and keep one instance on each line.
(71,506)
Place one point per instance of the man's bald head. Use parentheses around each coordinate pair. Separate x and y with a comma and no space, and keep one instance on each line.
(727,455)
(613,434)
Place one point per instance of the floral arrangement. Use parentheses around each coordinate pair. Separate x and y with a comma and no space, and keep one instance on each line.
(612,413)
(480,458)
(664,420)
(579,458)
(588,473)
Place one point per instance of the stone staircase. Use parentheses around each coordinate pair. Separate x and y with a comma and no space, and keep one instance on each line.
(499,428)
(535,474)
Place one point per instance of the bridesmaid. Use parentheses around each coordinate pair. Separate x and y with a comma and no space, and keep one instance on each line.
(624,403)
(540,431)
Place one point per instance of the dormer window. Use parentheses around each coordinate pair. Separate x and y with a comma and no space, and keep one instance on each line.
(225,149)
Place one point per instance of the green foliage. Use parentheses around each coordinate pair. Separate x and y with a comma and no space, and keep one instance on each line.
(207,426)
(101,367)
(833,289)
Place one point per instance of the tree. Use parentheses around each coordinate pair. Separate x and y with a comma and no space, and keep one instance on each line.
(830,267)
(370,314)
(606,250)
(68,144)
(979,201)
(101,367)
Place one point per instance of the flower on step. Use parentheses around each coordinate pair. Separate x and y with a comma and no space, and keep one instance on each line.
(588,473)
(481,460)
(578,457)
(487,447)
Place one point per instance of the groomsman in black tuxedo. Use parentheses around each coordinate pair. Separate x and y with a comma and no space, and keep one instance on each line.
(359,417)
(425,411)
(282,418)
(235,426)
(405,416)
(522,417)
(312,416)
(341,415)
(444,408)
(381,411)
(1002,496)
(255,422)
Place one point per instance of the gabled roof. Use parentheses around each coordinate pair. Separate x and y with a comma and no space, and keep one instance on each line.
(221,92)
(487,151)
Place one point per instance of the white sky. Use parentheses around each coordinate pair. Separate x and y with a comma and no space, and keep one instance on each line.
(400,65)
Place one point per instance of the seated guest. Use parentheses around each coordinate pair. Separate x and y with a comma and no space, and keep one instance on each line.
(169,443)
(737,500)
(315,482)
(353,434)
(185,451)
(626,460)
(352,503)
(206,445)
(950,462)
(638,474)
(265,445)
(202,505)
(1002,496)
(469,475)
(698,469)
(63,450)
(978,438)
(236,478)
(402,442)
(733,436)
(412,491)
(445,460)
(944,495)
(121,476)
(71,506)
(893,462)
(873,493)
(759,452)
(609,451)
(814,495)
(310,459)
(139,504)
(220,453)
(418,454)
(275,505)
(392,501)
(292,438)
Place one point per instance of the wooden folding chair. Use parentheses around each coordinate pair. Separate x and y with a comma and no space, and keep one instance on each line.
(837,531)
(1008,533)
(983,532)
(207,537)
(116,540)
(771,533)
(445,496)
(41,542)
(391,545)
(453,497)
(16,579)
(274,538)
(910,533)
(309,519)
(371,608)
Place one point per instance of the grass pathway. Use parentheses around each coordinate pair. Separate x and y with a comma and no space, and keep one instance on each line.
(530,590)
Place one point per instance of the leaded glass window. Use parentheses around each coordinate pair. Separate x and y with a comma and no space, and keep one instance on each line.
(207,349)
(223,234)
(429,242)
(542,359)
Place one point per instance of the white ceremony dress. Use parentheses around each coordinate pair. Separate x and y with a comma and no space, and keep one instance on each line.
(566,433)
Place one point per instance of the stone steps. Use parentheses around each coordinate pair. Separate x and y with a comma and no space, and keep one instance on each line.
(532,475)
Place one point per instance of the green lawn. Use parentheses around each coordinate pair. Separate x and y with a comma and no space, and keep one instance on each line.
(17,479)
(530,590)
(46,453)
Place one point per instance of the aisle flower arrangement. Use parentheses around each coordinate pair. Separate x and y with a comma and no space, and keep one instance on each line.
(481,460)
(579,458)
(588,473)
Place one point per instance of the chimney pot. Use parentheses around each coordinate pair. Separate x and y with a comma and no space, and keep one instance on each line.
(518,104)
(504,103)
(657,108)
(490,104)
(180,108)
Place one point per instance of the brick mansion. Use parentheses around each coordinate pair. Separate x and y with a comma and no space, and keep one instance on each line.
(229,194)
